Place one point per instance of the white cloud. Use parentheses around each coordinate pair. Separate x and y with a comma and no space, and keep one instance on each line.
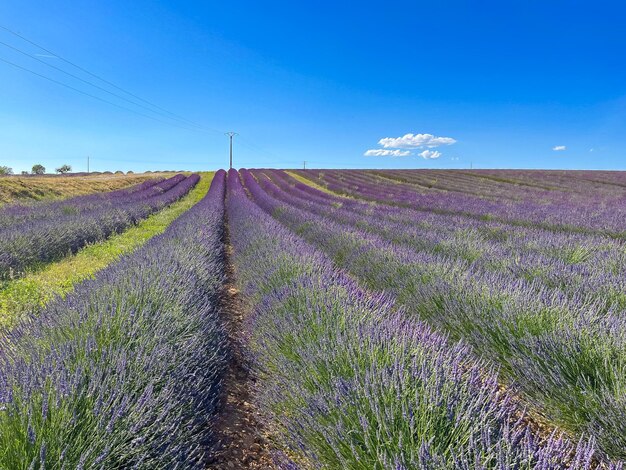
(415,141)
(386,153)
(430,154)
(559,148)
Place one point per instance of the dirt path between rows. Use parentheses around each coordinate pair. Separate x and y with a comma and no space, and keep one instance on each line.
(241,442)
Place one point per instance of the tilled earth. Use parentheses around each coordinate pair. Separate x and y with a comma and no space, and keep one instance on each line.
(241,442)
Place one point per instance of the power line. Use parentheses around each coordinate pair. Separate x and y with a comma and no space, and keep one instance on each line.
(253,146)
(186,123)
(92,84)
(94,96)
(82,69)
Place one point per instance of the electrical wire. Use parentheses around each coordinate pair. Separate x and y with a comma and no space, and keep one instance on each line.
(82,69)
(94,85)
(95,97)
(184,123)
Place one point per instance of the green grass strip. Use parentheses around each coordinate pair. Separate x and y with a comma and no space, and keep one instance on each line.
(33,291)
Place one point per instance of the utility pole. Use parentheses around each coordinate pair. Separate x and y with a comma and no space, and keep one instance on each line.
(304,165)
(87,164)
(231,135)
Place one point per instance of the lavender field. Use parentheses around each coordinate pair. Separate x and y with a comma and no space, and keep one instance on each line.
(35,234)
(360,319)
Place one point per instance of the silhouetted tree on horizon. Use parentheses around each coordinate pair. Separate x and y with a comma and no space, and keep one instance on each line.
(39,169)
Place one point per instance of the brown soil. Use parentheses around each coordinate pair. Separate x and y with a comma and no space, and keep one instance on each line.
(241,442)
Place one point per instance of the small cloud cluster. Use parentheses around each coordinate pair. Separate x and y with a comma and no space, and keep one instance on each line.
(392,145)
(430,154)
(559,148)
(386,153)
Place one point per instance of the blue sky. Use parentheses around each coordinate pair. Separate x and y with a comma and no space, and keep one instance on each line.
(319,81)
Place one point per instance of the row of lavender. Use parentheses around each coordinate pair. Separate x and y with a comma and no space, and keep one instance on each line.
(562,179)
(43,234)
(125,372)
(579,211)
(508,184)
(16,213)
(539,186)
(580,265)
(351,381)
(560,345)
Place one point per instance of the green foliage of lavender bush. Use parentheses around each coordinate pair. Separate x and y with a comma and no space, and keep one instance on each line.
(563,350)
(353,383)
(125,372)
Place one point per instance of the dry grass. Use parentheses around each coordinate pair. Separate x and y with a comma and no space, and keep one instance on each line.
(34,188)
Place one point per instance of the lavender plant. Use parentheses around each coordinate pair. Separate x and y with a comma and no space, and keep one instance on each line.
(563,352)
(125,372)
(561,208)
(39,235)
(16,213)
(352,382)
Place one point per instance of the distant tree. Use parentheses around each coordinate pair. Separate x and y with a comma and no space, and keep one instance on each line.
(64,169)
(130,172)
(5,170)
(39,169)
(24,172)
(119,172)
